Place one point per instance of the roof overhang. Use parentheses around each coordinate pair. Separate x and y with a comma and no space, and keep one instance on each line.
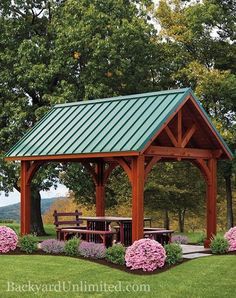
(73,156)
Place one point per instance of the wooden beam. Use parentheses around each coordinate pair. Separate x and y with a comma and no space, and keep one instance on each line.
(150,165)
(187,153)
(211,202)
(223,148)
(171,136)
(91,170)
(71,157)
(179,128)
(25,199)
(202,165)
(137,197)
(108,171)
(34,166)
(123,163)
(189,133)
(100,189)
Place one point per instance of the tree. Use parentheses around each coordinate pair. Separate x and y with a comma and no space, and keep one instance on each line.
(202,36)
(178,196)
(54,52)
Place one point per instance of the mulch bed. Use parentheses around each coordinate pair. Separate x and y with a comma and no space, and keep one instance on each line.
(108,264)
(102,262)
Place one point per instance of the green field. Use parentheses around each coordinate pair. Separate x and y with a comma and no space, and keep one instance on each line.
(206,277)
(50,230)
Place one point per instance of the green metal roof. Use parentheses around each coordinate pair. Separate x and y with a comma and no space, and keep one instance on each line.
(119,124)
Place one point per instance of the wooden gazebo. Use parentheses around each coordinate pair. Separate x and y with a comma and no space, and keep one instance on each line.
(135,132)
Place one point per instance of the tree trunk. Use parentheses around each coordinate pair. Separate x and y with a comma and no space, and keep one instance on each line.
(181,215)
(229,199)
(36,223)
(166,220)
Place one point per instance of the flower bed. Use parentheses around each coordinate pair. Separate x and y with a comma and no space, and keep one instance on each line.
(145,256)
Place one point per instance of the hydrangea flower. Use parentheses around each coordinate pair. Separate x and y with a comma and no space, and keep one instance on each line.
(231,237)
(8,239)
(146,254)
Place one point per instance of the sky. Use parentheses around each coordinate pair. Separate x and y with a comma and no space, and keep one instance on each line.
(14,197)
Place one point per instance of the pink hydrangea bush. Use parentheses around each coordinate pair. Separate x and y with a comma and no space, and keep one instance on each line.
(146,254)
(8,239)
(231,237)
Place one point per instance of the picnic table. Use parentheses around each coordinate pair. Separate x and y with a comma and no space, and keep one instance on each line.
(99,229)
(124,230)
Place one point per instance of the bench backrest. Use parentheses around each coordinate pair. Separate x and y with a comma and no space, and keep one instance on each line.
(58,221)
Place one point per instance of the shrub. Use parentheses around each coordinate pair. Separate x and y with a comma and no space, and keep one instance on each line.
(231,237)
(53,246)
(8,239)
(201,238)
(174,253)
(72,246)
(146,254)
(219,245)
(92,250)
(28,243)
(116,254)
(181,239)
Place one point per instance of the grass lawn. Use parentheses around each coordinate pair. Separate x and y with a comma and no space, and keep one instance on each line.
(206,277)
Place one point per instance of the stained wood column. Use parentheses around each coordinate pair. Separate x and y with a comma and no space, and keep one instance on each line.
(211,201)
(25,199)
(100,189)
(137,197)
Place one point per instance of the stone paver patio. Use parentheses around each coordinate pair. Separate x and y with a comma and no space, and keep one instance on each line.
(196,255)
(193,248)
(195,251)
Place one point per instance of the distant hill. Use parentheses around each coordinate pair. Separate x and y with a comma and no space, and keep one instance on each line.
(13,211)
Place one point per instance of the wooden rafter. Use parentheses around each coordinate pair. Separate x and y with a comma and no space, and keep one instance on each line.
(210,127)
(164,125)
(180,140)
(188,135)
(171,136)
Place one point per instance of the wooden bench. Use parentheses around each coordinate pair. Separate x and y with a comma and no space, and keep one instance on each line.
(106,236)
(74,223)
(160,235)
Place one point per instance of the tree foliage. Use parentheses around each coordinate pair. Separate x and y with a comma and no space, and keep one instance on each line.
(64,51)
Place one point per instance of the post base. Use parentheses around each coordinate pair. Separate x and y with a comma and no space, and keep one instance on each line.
(207,243)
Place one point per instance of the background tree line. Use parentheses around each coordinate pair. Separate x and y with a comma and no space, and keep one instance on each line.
(63,51)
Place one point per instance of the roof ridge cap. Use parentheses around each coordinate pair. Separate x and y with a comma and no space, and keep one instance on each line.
(124,97)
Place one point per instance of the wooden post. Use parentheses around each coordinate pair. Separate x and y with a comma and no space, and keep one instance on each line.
(100,190)
(137,197)
(25,198)
(211,201)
